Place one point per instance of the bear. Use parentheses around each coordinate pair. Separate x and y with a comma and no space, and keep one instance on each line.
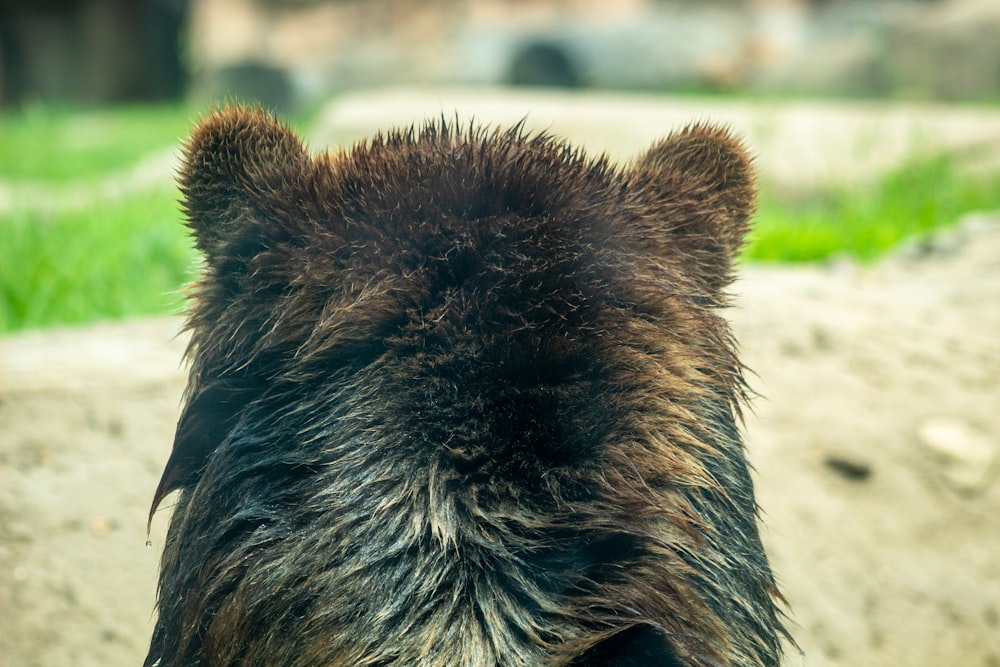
(462,395)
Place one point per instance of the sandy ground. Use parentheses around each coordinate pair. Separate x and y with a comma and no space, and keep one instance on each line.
(875,438)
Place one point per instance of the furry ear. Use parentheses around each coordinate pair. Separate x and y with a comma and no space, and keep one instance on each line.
(241,178)
(700,183)
(239,164)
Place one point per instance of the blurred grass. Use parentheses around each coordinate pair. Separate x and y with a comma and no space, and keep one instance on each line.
(864,223)
(105,261)
(130,257)
(39,142)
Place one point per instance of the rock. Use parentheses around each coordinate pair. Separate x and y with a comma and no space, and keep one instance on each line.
(251,82)
(849,467)
(966,456)
(950,51)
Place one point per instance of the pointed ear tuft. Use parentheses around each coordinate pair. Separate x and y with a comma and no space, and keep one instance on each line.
(238,162)
(701,180)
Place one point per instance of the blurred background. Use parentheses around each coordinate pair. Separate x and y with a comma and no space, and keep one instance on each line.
(854,107)
(293,52)
(868,303)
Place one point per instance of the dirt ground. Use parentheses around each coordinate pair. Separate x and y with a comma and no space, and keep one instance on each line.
(875,440)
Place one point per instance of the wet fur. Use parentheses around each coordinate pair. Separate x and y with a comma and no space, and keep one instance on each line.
(461,396)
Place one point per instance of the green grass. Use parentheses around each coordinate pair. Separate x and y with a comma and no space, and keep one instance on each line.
(55,144)
(118,259)
(866,222)
(107,261)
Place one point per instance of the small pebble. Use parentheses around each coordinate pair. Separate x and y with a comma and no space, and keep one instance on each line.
(849,468)
(101,526)
(965,455)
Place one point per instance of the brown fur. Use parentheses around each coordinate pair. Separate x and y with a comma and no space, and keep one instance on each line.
(462,398)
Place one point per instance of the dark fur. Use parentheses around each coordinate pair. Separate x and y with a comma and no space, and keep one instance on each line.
(462,398)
